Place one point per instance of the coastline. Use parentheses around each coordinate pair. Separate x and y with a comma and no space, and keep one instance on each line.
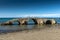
(48,33)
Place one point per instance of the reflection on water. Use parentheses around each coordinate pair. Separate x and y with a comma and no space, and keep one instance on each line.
(11,28)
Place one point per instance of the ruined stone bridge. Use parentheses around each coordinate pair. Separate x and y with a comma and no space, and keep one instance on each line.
(24,21)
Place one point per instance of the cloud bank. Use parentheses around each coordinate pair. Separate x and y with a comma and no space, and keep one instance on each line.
(40,15)
(32,15)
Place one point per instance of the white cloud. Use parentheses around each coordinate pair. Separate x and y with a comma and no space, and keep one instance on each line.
(33,15)
(39,15)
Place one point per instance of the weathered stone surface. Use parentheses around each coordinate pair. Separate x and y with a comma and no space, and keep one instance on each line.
(53,21)
(39,21)
(22,21)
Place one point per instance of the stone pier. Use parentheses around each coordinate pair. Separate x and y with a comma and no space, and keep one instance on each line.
(24,21)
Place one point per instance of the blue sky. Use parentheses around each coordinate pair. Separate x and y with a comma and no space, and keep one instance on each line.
(29,8)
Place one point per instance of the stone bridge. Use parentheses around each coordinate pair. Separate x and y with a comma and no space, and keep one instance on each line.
(24,21)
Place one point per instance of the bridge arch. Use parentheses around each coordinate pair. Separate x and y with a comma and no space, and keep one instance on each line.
(48,22)
(52,21)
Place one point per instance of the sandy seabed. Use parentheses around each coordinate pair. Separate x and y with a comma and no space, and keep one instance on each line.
(52,33)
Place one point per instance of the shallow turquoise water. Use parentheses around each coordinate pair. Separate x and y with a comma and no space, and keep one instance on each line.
(15,28)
